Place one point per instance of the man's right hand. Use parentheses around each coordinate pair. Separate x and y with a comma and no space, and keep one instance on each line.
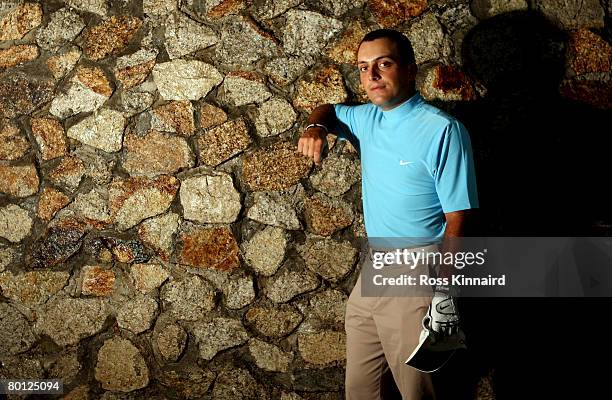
(311,143)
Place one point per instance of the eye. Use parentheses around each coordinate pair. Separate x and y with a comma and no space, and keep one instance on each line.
(385,64)
(363,69)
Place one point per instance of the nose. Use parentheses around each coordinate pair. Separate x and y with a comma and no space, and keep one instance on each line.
(373,74)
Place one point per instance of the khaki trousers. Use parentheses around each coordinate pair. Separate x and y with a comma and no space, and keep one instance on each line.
(381,333)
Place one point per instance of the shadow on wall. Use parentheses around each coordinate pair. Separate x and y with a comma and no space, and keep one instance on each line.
(542,161)
(543,167)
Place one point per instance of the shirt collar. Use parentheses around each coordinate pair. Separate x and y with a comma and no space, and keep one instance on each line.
(404,108)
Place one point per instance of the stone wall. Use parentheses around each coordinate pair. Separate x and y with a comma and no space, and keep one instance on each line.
(160,236)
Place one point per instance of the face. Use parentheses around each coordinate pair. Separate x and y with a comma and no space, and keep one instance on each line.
(386,82)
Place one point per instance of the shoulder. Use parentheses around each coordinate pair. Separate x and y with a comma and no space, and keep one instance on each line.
(437,119)
(356,108)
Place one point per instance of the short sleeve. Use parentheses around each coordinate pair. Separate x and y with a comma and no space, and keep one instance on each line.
(455,175)
(347,126)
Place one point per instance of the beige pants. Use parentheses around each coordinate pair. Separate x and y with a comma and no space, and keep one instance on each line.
(381,333)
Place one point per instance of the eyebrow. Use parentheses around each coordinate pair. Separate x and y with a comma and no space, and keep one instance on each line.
(376,59)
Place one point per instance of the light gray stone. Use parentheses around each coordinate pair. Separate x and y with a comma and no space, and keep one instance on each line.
(338,7)
(188,299)
(134,102)
(330,259)
(120,366)
(243,43)
(273,8)
(63,62)
(148,277)
(240,88)
(219,334)
(307,32)
(15,223)
(62,319)
(328,307)
(99,7)
(285,70)
(137,314)
(266,250)
(32,287)
(134,68)
(274,209)
(239,291)
(336,175)
(488,8)
(64,25)
(92,207)
(156,153)
(15,333)
(79,98)
(184,36)
(185,80)
(573,14)
(102,130)
(428,39)
(210,199)
(274,116)
(269,357)
(290,282)
(157,233)
(274,322)
(97,167)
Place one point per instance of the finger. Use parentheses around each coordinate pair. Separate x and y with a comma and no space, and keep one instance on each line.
(316,153)
(306,146)
(300,145)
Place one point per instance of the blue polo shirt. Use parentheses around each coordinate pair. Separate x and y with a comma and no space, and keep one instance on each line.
(416,164)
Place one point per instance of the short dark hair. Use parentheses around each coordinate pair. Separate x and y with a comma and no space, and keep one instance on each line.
(404,47)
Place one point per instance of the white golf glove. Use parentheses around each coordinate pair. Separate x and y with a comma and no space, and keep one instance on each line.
(442,317)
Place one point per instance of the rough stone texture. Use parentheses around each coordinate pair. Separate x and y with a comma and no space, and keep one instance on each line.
(148,277)
(7,255)
(157,233)
(64,25)
(290,282)
(110,37)
(207,248)
(132,102)
(102,130)
(18,54)
(269,357)
(238,291)
(88,90)
(15,333)
(66,366)
(589,52)
(274,209)
(274,116)
(135,199)
(389,13)
(325,216)
(185,80)
(336,176)
(273,8)
(322,348)
(18,180)
(92,208)
(97,281)
(428,39)
(273,322)
(572,14)
(211,116)
(275,168)
(223,142)
(63,321)
(170,340)
(13,143)
(188,299)
(190,382)
(61,240)
(307,32)
(326,86)
(266,250)
(344,50)
(488,8)
(237,384)
(32,287)
(68,173)
(217,335)
(210,199)
(133,69)
(50,137)
(328,307)
(120,366)
(330,259)
(99,7)
(16,23)
(137,315)
(447,83)
(175,116)
(592,92)
(159,7)
(242,87)
(50,202)
(22,93)
(156,154)
(284,70)
(184,36)
(243,43)
(61,64)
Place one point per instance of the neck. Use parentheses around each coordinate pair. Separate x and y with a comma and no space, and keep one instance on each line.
(405,96)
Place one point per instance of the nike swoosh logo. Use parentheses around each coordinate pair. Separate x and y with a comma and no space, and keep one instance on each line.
(402,162)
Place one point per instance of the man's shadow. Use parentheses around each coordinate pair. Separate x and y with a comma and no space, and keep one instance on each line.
(542,166)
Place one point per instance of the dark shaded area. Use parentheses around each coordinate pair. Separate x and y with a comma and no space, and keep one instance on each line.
(543,166)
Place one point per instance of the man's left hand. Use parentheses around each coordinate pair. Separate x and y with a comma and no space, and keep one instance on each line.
(443,317)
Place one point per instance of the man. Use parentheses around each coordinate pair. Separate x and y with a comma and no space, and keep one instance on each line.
(418,182)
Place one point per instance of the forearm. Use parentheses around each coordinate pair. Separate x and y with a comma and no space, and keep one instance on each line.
(456,227)
(324,115)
